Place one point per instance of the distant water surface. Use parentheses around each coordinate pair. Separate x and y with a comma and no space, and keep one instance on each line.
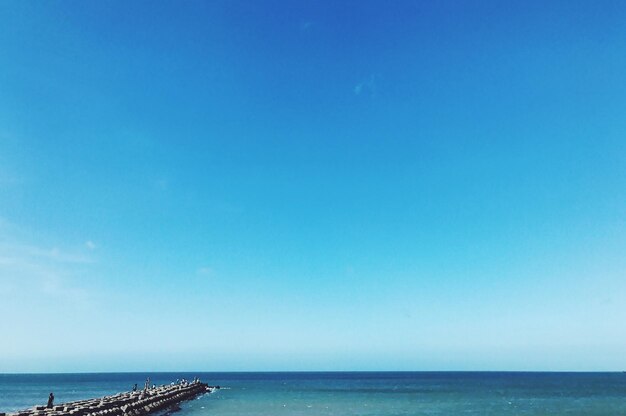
(346,394)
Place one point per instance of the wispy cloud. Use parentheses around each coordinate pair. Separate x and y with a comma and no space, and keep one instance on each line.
(29,271)
(204,271)
(24,276)
(305,26)
(366,86)
(39,254)
(90,245)
(61,288)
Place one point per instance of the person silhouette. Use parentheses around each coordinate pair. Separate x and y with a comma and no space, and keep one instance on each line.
(50,401)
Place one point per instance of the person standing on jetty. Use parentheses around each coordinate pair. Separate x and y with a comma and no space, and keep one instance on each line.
(50,401)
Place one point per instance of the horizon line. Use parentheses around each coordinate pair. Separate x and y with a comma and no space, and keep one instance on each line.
(309,371)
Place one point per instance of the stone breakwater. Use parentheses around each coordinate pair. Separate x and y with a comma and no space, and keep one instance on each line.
(136,403)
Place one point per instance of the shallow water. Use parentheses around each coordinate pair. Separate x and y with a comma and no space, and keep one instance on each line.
(346,394)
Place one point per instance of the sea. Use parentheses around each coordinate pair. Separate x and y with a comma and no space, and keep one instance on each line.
(347,393)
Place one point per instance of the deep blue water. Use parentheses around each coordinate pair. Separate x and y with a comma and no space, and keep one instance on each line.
(380,394)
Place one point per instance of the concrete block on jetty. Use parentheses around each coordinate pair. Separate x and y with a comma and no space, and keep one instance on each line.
(124,404)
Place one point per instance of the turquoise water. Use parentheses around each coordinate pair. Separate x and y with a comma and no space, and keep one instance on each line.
(346,394)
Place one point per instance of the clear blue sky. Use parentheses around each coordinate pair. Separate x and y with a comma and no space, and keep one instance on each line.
(312,185)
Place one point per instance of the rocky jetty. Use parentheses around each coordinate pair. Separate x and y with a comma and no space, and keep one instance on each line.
(136,403)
